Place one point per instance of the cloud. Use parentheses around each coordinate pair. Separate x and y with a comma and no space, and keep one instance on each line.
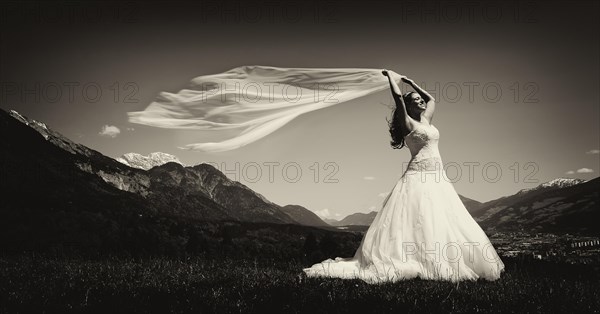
(326,214)
(372,208)
(585,170)
(323,213)
(110,131)
(369,178)
(593,152)
(570,172)
(383,194)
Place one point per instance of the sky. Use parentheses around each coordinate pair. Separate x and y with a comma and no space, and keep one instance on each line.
(516,84)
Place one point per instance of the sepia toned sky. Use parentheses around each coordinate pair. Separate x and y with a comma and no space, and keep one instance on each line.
(516,85)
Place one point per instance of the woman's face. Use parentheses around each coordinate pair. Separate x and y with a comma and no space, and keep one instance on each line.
(416,102)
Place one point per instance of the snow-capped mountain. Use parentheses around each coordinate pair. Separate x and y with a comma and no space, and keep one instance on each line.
(139,161)
(60,196)
(51,168)
(560,205)
(59,177)
(554,184)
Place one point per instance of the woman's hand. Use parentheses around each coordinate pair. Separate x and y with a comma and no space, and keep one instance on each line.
(392,74)
(396,77)
(406,79)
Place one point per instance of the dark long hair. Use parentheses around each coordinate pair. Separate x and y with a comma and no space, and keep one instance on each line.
(397,129)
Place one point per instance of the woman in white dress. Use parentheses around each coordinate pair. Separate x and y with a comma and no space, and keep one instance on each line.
(423,229)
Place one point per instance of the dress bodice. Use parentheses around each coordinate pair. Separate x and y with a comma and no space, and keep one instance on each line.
(423,145)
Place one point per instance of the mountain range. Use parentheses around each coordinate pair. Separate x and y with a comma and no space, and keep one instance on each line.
(46,166)
(561,205)
(297,212)
(46,176)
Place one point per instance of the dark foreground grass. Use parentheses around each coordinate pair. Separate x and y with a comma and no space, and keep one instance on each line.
(162,285)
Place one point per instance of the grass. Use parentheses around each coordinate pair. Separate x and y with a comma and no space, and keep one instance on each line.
(167,285)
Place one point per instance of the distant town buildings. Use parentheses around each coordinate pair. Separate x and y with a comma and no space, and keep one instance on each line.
(544,246)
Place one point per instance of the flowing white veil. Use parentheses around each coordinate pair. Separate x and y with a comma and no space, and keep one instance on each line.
(251,102)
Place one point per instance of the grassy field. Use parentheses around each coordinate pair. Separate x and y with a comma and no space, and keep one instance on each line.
(163,285)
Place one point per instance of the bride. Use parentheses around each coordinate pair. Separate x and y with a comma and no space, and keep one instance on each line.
(423,229)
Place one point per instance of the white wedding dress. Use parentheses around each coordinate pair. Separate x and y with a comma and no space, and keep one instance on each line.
(422,230)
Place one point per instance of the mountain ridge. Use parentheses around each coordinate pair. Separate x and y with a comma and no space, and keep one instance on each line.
(62,172)
(201,191)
